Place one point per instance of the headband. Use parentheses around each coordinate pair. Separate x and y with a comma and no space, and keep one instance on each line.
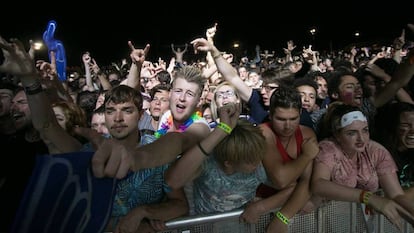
(350,117)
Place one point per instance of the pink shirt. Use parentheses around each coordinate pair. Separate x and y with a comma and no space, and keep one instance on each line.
(360,172)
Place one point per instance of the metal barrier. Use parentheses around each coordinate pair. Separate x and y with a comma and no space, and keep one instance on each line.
(332,216)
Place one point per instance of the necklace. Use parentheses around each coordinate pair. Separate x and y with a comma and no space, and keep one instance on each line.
(287,144)
(165,126)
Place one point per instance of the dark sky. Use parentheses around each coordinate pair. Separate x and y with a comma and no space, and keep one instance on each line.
(105,28)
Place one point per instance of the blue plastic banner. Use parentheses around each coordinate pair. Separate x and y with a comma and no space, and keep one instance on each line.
(63,196)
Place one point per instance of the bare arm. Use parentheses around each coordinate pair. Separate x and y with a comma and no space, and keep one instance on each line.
(175,206)
(183,169)
(86,58)
(18,62)
(254,210)
(106,85)
(115,160)
(138,58)
(401,94)
(297,200)
(283,173)
(225,68)
(324,187)
(400,78)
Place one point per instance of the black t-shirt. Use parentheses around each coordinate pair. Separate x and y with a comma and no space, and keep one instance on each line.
(18,158)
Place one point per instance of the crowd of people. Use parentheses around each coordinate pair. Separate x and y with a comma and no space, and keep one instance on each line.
(284,133)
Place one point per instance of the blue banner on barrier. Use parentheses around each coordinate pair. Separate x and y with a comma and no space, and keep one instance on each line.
(64,196)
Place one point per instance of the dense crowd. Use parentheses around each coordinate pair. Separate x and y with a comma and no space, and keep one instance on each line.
(216,134)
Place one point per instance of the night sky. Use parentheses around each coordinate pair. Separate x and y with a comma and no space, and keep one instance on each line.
(104,29)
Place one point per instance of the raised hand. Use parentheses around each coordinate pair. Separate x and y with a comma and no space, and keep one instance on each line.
(211,32)
(138,55)
(16,60)
(112,160)
(230,113)
(201,44)
(91,135)
(290,47)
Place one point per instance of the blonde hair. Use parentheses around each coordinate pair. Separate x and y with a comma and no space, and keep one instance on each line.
(191,74)
(245,144)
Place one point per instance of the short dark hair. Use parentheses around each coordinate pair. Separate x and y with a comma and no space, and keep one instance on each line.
(285,97)
(305,82)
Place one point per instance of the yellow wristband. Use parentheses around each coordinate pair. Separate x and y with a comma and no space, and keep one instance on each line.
(226,128)
(282,217)
(367,196)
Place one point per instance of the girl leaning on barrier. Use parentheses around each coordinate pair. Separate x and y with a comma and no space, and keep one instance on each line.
(352,167)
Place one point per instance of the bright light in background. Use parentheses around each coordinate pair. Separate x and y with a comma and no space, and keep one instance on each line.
(236,45)
(356,34)
(313,31)
(38,45)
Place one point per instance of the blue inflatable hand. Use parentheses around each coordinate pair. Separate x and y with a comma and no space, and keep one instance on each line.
(56,46)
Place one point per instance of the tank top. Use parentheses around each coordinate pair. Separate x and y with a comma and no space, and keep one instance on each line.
(264,190)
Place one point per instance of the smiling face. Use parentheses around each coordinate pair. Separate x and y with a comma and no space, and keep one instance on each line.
(350,91)
(406,131)
(20,110)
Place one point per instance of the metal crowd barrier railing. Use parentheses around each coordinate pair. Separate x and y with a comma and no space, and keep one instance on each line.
(332,216)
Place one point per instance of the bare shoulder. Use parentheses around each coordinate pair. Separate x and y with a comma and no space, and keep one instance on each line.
(266,130)
(198,130)
(307,132)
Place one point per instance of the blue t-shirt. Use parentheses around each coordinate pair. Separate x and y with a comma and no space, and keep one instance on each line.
(258,111)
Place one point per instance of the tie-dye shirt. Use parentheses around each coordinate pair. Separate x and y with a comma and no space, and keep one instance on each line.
(215,191)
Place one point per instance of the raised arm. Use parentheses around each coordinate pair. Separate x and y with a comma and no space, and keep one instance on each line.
(402,95)
(49,76)
(400,78)
(103,79)
(138,58)
(86,59)
(19,63)
(183,170)
(225,68)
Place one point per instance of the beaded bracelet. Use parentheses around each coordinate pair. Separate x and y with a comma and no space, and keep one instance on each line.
(225,127)
(34,88)
(202,149)
(282,217)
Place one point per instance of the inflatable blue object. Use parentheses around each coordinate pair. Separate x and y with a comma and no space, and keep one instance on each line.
(56,46)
